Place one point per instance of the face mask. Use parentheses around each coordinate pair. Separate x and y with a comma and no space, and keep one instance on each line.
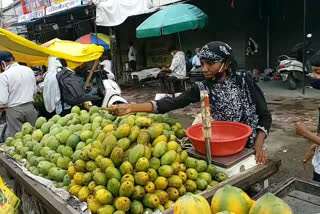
(219,75)
(315,83)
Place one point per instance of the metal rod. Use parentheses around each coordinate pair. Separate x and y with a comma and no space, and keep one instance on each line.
(268,41)
(208,146)
(206,121)
(304,43)
(179,41)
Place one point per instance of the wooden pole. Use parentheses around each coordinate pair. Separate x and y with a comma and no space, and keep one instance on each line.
(91,72)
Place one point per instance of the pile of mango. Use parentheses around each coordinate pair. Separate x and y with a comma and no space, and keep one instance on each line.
(132,163)
(231,200)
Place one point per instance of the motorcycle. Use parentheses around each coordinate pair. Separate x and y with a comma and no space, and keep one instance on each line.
(112,93)
(108,90)
(290,68)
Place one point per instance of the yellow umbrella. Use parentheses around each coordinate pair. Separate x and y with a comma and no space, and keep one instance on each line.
(34,55)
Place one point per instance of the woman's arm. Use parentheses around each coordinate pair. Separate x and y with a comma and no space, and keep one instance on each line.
(264,115)
(264,124)
(309,154)
(301,129)
(161,106)
(261,154)
(169,104)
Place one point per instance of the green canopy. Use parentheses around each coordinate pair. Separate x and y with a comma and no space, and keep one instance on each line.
(173,19)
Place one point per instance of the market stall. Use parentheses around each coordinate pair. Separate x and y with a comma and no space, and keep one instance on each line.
(48,202)
(68,164)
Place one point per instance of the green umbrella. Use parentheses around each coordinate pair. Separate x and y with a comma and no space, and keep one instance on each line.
(173,19)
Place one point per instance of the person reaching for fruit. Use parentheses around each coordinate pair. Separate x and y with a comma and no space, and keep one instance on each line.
(301,128)
(233,97)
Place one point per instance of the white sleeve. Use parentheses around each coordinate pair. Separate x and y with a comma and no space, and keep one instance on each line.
(4,88)
(174,64)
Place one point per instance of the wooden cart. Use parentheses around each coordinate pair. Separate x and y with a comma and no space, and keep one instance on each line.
(34,196)
(45,201)
(302,196)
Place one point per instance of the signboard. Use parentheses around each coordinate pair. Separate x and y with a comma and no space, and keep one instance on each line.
(36,5)
(157,51)
(65,5)
(59,1)
(37,11)
(25,6)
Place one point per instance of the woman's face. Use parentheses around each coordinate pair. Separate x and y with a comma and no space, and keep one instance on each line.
(210,69)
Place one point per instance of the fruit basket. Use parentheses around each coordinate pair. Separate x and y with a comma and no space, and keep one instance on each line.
(228,138)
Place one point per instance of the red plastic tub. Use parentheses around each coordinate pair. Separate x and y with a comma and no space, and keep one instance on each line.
(227,138)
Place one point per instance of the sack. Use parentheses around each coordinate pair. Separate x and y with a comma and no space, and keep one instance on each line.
(9,202)
(71,88)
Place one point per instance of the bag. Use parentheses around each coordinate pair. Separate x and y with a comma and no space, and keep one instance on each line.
(71,88)
(9,202)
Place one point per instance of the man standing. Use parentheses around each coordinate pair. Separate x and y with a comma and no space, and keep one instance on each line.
(17,87)
(132,56)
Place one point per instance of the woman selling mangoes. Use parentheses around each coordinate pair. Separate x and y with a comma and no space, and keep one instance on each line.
(233,97)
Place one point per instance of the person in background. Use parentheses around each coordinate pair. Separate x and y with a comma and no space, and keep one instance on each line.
(233,97)
(196,60)
(17,87)
(132,56)
(107,66)
(175,71)
(189,56)
(301,128)
(188,61)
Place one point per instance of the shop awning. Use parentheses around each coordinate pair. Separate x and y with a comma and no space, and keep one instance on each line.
(34,55)
(173,19)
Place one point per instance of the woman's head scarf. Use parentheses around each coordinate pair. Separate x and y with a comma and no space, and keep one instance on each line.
(218,51)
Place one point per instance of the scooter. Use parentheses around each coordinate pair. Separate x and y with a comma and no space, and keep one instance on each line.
(290,68)
(108,89)
(112,93)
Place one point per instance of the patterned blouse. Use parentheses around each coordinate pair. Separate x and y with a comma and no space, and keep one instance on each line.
(229,102)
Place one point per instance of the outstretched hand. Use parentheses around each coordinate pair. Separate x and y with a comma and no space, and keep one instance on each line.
(120,110)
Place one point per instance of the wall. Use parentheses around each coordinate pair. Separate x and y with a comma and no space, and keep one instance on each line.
(225,24)
(11,14)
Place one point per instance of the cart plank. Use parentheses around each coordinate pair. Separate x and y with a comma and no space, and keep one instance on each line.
(301,206)
(307,197)
(52,202)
